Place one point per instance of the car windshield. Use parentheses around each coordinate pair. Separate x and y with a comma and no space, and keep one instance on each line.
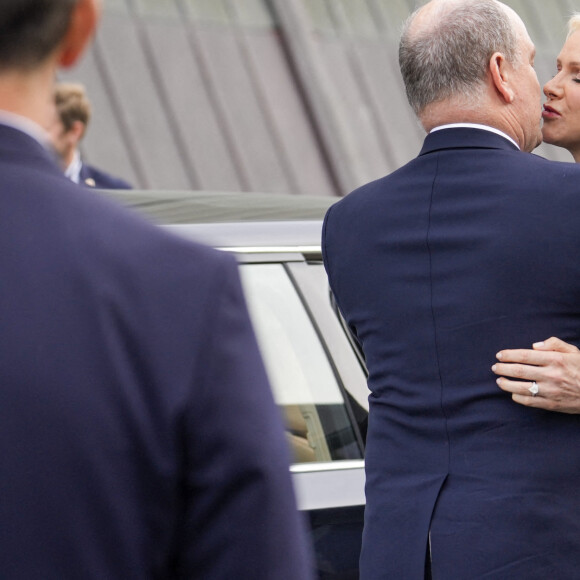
(304,383)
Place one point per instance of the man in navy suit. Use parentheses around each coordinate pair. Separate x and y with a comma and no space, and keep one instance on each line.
(138,435)
(67,130)
(466,249)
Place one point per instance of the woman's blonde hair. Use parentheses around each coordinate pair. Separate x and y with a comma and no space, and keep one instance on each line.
(573,24)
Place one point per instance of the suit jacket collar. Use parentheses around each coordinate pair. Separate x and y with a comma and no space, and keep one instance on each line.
(462,138)
(17,146)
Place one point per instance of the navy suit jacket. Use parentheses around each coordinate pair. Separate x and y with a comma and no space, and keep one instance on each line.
(93,177)
(470,248)
(138,435)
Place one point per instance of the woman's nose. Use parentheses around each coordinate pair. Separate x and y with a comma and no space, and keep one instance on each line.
(552,88)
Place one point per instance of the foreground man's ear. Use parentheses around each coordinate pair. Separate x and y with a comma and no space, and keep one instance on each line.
(82,26)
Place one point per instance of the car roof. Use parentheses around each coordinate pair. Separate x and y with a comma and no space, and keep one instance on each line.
(195,207)
(242,221)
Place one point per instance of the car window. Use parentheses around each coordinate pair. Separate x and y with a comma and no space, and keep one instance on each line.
(305,386)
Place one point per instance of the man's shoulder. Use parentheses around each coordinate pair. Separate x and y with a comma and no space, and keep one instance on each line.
(99,179)
(538,173)
(362,195)
(99,228)
(105,225)
(499,169)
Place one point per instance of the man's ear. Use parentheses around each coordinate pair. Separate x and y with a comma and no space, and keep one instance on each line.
(499,70)
(77,131)
(82,26)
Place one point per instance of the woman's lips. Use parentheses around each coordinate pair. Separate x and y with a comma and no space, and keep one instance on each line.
(549,113)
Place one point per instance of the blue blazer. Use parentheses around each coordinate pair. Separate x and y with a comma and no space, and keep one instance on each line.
(138,435)
(93,177)
(470,248)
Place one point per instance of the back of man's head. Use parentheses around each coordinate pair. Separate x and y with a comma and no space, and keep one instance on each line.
(30,30)
(446,47)
(72,104)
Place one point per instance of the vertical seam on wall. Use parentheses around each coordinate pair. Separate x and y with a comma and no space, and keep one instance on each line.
(265,110)
(363,86)
(167,109)
(214,100)
(116,109)
(302,50)
(302,92)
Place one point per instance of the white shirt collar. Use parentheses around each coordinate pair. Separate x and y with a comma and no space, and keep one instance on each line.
(475,126)
(27,126)
(73,171)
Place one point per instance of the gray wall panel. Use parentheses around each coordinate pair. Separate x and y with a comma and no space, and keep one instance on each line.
(297,141)
(194,119)
(250,132)
(400,128)
(359,117)
(142,109)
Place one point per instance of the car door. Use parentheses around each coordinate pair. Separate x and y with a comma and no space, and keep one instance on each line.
(320,387)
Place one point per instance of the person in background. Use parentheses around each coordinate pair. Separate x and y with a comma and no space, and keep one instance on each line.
(467,247)
(552,368)
(73,114)
(138,434)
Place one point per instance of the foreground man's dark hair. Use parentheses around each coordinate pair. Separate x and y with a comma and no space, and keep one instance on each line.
(30,30)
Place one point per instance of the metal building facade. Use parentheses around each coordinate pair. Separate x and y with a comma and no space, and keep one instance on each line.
(280,96)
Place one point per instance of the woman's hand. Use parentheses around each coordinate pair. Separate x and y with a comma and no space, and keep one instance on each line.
(552,367)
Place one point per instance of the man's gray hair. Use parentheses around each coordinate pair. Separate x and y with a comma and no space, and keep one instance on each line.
(30,30)
(451,56)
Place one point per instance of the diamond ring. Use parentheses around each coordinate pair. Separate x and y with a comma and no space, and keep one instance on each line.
(534,389)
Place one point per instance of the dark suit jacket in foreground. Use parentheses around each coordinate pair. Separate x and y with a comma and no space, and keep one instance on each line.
(93,177)
(138,435)
(468,249)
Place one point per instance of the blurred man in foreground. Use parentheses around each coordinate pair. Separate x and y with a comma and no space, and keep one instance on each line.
(73,113)
(138,434)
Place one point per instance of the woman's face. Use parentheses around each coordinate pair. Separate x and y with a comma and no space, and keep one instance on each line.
(562,108)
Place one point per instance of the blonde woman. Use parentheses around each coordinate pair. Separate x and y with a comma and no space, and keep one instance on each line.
(562,108)
(548,377)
